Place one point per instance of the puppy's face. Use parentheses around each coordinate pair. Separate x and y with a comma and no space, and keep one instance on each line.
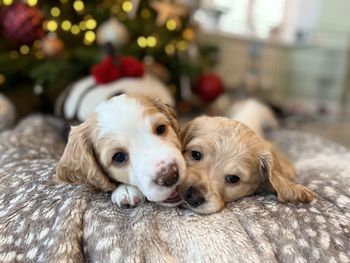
(226,161)
(129,139)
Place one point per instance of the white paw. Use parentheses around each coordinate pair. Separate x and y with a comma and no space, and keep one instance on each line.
(127,195)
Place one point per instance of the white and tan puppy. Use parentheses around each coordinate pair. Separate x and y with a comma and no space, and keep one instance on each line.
(129,145)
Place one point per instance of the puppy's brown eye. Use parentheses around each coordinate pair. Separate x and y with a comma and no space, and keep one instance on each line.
(160,129)
(232,179)
(196,155)
(120,157)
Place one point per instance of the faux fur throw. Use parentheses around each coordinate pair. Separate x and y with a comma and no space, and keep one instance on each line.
(44,222)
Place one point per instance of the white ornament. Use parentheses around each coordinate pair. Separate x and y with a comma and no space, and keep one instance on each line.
(85,95)
(112,31)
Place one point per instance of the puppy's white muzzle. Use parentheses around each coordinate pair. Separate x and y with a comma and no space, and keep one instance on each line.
(159,172)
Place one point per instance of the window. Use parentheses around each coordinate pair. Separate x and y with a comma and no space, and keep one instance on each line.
(267,16)
(250,16)
(234,16)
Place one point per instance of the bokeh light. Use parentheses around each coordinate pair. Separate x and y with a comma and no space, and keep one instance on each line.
(188,34)
(39,55)
(32,2)
(78,5)
(82,25)
(75,29)
(151,41)
(145,13)
(182,45)
(127,6)
(142,42)
(55,11)
(66,25)
(169,49)
(90,36)
(7,2)
(24,49)
(91,23)
(51,25)
(171,24)
(13,54)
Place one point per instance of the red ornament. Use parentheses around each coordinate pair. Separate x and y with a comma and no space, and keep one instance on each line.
(21,24)
(132,67)
(110,69)
(106,71)
(209,86)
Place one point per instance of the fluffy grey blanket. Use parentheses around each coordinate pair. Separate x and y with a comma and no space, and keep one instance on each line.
(44,222)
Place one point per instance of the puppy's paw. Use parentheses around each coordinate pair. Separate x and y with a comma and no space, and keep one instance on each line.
(127,196)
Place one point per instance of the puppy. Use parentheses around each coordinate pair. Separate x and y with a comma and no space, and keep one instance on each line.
(129,145)
(253,113)
(226,161)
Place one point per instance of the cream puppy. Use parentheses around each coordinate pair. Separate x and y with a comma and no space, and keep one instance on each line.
(254,114)
(129,145)
(226,161)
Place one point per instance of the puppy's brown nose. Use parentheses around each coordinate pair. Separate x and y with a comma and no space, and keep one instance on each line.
(194,197)
(168,176)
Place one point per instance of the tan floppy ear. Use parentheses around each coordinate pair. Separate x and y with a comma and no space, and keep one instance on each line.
(187,134)
(279,174)
(173,119)
(78,164)
(169,112)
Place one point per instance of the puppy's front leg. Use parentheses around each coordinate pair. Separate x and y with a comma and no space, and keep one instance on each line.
(127,195)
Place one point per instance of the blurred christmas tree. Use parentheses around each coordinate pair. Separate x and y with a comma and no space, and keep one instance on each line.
(45,45)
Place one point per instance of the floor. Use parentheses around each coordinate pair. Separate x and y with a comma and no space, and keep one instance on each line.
(334,129)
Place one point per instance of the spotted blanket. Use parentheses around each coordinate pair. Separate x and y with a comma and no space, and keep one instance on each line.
(44,222)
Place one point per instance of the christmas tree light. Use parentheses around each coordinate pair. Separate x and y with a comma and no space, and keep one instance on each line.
(75,29)
(66,25)
(24,49)
(32,2)
(51,25)
(91,23)
(171,24)
(78,5)
(7,2)
(127,6)
(55,11)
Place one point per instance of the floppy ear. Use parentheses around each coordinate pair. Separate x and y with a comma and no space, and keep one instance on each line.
(187,134)
(171,114)
(78,164)
(279,174)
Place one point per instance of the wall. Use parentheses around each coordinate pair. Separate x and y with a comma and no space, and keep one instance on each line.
(317,73)
(312,72)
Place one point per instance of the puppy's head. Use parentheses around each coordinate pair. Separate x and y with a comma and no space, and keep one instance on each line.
(226,160)
(132,139)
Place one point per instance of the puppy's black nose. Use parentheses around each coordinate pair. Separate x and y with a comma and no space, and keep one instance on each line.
(168,176)
(194,197)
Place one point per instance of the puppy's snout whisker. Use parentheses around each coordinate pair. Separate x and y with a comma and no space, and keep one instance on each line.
(168,176)
(194,197)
